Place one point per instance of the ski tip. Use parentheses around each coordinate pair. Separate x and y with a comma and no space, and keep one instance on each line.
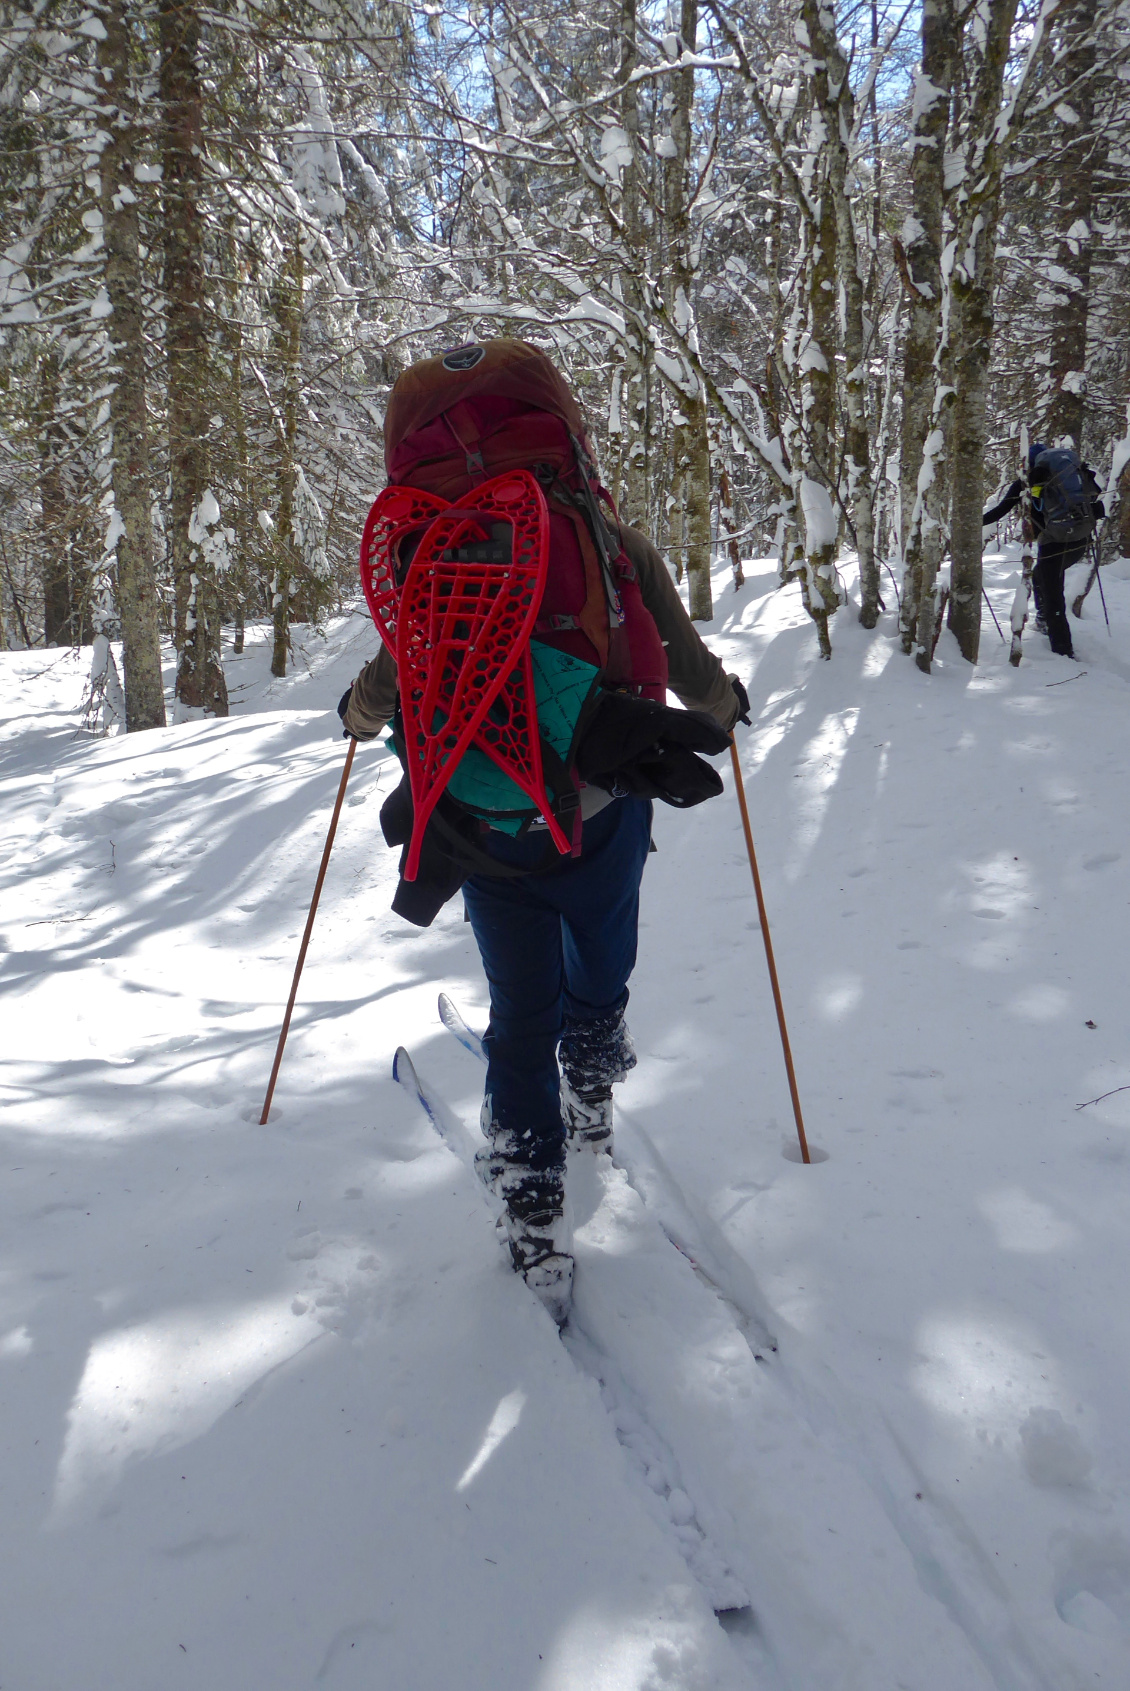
(401,1064)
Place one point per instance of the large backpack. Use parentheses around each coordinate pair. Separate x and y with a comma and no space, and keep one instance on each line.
(1061,496)
(494,571)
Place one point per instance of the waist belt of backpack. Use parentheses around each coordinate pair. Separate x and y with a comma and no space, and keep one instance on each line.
(565,798)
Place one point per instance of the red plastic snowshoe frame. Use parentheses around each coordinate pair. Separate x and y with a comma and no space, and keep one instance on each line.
(460,632)
(394,514)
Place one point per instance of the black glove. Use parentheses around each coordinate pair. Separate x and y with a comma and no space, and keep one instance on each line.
(641,747)
(666,771)
(342,707)
(622,727)
(743,699)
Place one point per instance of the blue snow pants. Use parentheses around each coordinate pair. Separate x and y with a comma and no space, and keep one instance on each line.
(557,949)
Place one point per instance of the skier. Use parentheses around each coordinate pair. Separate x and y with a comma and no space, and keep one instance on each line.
(1064,505)
(557,934)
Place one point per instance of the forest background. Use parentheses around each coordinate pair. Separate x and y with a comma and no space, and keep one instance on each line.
(812,272)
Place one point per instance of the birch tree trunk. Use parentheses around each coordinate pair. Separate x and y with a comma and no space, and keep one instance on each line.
(814,453)
(676,503)
(129,473)
(247,530)
(60,623)
(288,315)
(635,376)
(833,90)
(697,490)
(971,284)
(919,253)
(1074,176)
(695,429)
(200,683)
(727,527)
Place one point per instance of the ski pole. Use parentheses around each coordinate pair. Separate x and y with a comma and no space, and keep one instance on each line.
(1099,579)
(306,935)
(764,920)
(992,613)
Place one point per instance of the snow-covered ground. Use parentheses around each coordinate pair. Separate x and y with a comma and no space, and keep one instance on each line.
(276,1414)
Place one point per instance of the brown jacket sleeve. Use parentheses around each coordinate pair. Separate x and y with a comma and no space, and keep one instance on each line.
(695,675)
(373,698)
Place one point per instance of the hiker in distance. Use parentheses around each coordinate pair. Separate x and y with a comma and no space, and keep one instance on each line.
(549,861)
(1063,503)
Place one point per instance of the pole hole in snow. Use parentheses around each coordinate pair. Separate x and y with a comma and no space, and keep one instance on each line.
(746,1640)
(791,1153)
(252,1113)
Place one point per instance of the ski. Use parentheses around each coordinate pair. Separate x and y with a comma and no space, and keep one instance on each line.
(555,1298)
(404,1071)
(453,1021)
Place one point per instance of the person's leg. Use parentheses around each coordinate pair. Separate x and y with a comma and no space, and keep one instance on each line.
(519,940)
(1040,619)
(523,1160)
(599,903)
(1051,562)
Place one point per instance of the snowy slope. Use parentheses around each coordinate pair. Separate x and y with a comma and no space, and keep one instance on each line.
(277,1415)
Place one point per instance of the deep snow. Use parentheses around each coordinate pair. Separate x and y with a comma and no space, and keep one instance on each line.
(277,1415)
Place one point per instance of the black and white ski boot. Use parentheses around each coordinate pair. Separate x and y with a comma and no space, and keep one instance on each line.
(587,1111)
(595,1054)
(540,1237)
(498,1158)
(534,1225)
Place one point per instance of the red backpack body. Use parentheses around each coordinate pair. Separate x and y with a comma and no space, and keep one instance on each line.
(491,532)
(457,421)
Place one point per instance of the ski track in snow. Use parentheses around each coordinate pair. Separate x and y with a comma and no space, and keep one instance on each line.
(655,1464)
(943,1551)
(272,1389)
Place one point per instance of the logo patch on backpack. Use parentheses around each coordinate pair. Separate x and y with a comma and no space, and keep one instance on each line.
(463,358)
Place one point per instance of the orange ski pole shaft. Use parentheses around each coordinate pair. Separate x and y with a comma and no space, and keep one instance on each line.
(764,920)
(306,935)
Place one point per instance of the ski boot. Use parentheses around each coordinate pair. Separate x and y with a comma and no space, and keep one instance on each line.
(500,1156)
(539,1235)
(594,1055)
(587,1111)
(534,1225)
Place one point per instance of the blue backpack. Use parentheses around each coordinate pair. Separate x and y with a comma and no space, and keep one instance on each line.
(1061,496)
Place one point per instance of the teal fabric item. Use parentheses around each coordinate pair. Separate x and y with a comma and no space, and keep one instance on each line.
(561,686)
